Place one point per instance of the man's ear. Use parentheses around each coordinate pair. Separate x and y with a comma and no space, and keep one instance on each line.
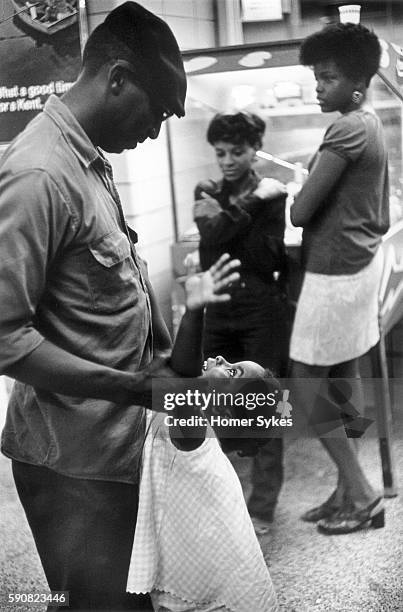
(119,73)
(117,77)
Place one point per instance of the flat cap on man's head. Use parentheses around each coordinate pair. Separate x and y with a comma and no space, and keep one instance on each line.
(158,58)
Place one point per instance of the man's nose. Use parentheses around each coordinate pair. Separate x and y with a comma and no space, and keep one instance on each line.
(220,360)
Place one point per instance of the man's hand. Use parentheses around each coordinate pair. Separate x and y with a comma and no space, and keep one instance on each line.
(207,288)
(269,188)
(206,207)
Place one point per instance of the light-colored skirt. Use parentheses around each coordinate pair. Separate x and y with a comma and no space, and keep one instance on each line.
(337,316)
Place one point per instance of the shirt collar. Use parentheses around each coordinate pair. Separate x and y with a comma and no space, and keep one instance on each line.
(71,129)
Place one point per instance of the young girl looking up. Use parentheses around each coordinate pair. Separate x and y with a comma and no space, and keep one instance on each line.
(195,547)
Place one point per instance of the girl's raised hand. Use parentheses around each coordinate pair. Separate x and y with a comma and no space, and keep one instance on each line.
(209,287)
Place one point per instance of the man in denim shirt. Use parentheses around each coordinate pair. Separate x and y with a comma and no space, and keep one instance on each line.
(79,326)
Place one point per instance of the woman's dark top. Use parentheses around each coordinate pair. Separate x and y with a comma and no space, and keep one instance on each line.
(248,228)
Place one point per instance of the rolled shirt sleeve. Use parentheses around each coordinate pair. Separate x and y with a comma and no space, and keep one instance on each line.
(33,217)
(347,137)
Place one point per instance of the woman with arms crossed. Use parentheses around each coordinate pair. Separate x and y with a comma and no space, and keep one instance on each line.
(243,214)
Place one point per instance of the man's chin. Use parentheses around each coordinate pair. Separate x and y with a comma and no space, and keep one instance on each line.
(115,148)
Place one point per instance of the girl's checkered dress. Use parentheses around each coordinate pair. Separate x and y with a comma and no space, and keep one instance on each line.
(194,538)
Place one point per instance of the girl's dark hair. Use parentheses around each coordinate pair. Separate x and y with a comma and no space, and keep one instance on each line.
(354,48)
(236,128)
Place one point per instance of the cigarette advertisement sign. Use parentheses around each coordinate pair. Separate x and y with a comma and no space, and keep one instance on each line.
(40,55)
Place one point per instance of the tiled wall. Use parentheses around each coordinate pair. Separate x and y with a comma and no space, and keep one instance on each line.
(142,175)
(192,21)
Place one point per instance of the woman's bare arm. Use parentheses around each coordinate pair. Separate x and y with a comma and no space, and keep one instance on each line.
(325,174)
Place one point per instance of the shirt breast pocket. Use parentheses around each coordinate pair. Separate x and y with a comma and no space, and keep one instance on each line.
(112,277)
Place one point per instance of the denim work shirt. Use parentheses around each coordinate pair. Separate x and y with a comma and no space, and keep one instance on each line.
(69,273)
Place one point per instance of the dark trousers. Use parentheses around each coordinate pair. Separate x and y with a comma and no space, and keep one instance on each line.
(83,531)
(267,479)
(255,326)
